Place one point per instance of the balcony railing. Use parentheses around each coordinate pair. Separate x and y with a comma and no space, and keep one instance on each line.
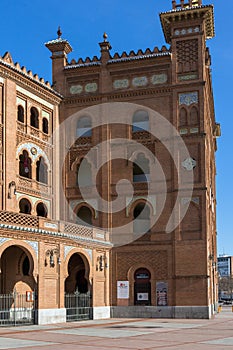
(25,184)
(11,220)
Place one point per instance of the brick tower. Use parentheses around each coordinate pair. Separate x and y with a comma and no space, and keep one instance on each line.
(171,272)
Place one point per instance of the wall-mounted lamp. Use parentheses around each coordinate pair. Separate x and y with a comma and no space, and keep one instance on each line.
(50,253)
(101,263)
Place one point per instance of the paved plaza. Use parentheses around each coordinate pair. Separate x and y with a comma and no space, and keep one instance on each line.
(137,334)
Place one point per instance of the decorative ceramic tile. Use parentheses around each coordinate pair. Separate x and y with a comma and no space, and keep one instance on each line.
(67,250)
(187,77)
(188,98)
(91,87)
(34,245)
(3,240)
(185,201)
(159,79)
(140,81)
(183,131)
(121,83)
(76,89)
(194,130)
(89,252)
(189,164)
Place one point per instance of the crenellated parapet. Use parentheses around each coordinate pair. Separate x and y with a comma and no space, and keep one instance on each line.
(7,60)
(117,57)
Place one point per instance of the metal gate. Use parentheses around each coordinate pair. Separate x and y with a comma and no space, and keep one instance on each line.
(17,309)
(78,307)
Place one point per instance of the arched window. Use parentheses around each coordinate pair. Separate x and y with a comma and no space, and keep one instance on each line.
(140,121)
(84,216)
(25,168)
(194,116)
(41,171)
(141,214)
(45,126)
(183,117)
(141,169)
(25,206)
(20,114)
(41,210)
(84,127)
(84,176)
(34,118)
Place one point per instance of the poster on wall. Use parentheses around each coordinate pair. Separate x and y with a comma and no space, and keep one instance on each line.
(142,296)
(161,293)
(122,289)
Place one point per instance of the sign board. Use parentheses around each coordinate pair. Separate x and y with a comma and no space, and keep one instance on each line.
(122,289)
(142,296)
(30,296)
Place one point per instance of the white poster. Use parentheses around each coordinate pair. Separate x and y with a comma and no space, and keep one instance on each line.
(122,289)
(142,296)
(161,293)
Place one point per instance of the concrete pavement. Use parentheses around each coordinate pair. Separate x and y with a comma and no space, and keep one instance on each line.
(137,334)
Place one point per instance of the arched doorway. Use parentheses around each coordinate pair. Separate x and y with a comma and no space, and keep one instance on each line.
(142,287)
(17,287)
(78,301)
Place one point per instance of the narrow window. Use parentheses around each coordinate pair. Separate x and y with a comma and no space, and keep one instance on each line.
(141,214)
(183,117)
(45,126)
(41,171)
(20,114)
(84,175)
(84,127)
(141,169)
(25,206)
(34,118)
(41,210)
(25,165)
(84,216)
(140,121)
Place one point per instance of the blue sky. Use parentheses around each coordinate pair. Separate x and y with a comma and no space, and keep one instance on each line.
(26,25)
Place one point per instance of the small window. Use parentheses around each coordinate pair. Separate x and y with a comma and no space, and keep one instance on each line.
(183,117)
(141,214)
(41,171)
(140,121)
(84,127)
(84,175)
(34,118)
(84,216)
(141,169)
(41,210)
(25,206)
(45,126)
(194,116)
(25,168)
(20,114)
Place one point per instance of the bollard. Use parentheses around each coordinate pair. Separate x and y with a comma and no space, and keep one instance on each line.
(232,308)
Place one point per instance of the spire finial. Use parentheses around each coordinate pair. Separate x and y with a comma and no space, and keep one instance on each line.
(59,33)
(105,36)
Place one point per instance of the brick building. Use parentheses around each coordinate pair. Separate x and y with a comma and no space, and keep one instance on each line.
(120,204)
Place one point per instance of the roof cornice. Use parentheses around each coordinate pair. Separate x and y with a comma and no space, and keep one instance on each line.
(22,76)
(169,17)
